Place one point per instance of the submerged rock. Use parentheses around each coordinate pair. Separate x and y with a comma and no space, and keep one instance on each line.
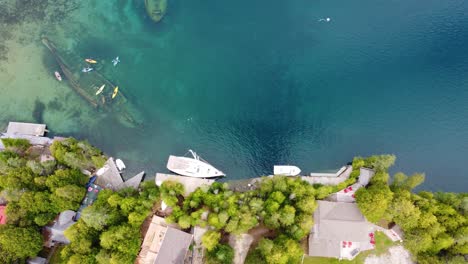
(156,9)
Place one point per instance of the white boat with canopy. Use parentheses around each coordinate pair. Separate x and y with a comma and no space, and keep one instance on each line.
(192,166)
(286,170)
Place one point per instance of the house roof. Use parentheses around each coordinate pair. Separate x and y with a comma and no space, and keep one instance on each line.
(133,182)
(336,222)
(163,244)
(174,247)
(110,178)
(2,215)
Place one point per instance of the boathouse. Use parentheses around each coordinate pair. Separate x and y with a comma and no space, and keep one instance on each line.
(109,177)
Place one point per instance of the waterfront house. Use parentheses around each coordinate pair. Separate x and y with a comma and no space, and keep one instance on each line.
(340,231)
(164,244)
(109,177)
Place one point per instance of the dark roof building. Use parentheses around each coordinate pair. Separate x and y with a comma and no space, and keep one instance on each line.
(109,177)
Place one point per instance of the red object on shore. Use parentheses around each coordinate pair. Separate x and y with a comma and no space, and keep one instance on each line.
(58,76)
(2,215)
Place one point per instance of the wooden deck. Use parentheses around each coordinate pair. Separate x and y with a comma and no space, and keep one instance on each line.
(327,180)
(30,129)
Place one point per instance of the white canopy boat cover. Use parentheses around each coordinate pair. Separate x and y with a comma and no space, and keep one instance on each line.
(286,170)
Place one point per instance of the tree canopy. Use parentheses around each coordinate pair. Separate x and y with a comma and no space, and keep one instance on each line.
(435,225)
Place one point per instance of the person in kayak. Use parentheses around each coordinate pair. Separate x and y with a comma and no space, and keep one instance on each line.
(87,69)
(116,60)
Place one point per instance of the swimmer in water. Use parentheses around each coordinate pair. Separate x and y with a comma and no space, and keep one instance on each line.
(324,19)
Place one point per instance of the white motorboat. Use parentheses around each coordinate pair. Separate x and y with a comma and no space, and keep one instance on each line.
(286,170)
(192,167)
(120,165)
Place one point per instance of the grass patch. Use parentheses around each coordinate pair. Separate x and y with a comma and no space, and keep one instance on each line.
(382,243)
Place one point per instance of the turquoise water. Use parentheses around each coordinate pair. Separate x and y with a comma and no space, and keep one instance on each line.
(251,84)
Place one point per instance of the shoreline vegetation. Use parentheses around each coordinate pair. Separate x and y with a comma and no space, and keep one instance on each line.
(277,211)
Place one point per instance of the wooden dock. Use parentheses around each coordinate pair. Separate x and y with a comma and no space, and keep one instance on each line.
(327,180)
(29,129)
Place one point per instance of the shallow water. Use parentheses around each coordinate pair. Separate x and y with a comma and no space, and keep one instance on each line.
(251,84)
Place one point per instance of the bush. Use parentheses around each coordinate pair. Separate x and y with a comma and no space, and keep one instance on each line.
(210,240)
(221,254)
(18,144)
(77,154)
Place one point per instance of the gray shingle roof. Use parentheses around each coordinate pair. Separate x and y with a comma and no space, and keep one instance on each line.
(336,222)
(174,247)
(133,182)
(111,178)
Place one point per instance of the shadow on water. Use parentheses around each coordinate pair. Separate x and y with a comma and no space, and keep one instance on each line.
(38,112)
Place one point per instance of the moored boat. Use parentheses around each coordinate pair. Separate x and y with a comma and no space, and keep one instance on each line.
(58,76)
(286,170)
(116,90)
(100,89)
(192,167)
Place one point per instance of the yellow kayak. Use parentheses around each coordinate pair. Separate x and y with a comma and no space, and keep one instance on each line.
(90,61)
(100,89)
(116,90)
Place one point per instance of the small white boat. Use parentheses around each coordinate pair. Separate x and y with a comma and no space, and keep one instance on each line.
(192,167)
(120,165)
(286,170)
(87,69)
(58,76)
(100,89)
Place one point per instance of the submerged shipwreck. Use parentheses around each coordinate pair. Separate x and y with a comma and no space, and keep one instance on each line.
(156,9)
(96,89)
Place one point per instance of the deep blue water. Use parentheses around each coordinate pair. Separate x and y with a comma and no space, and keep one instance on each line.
(251,84)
